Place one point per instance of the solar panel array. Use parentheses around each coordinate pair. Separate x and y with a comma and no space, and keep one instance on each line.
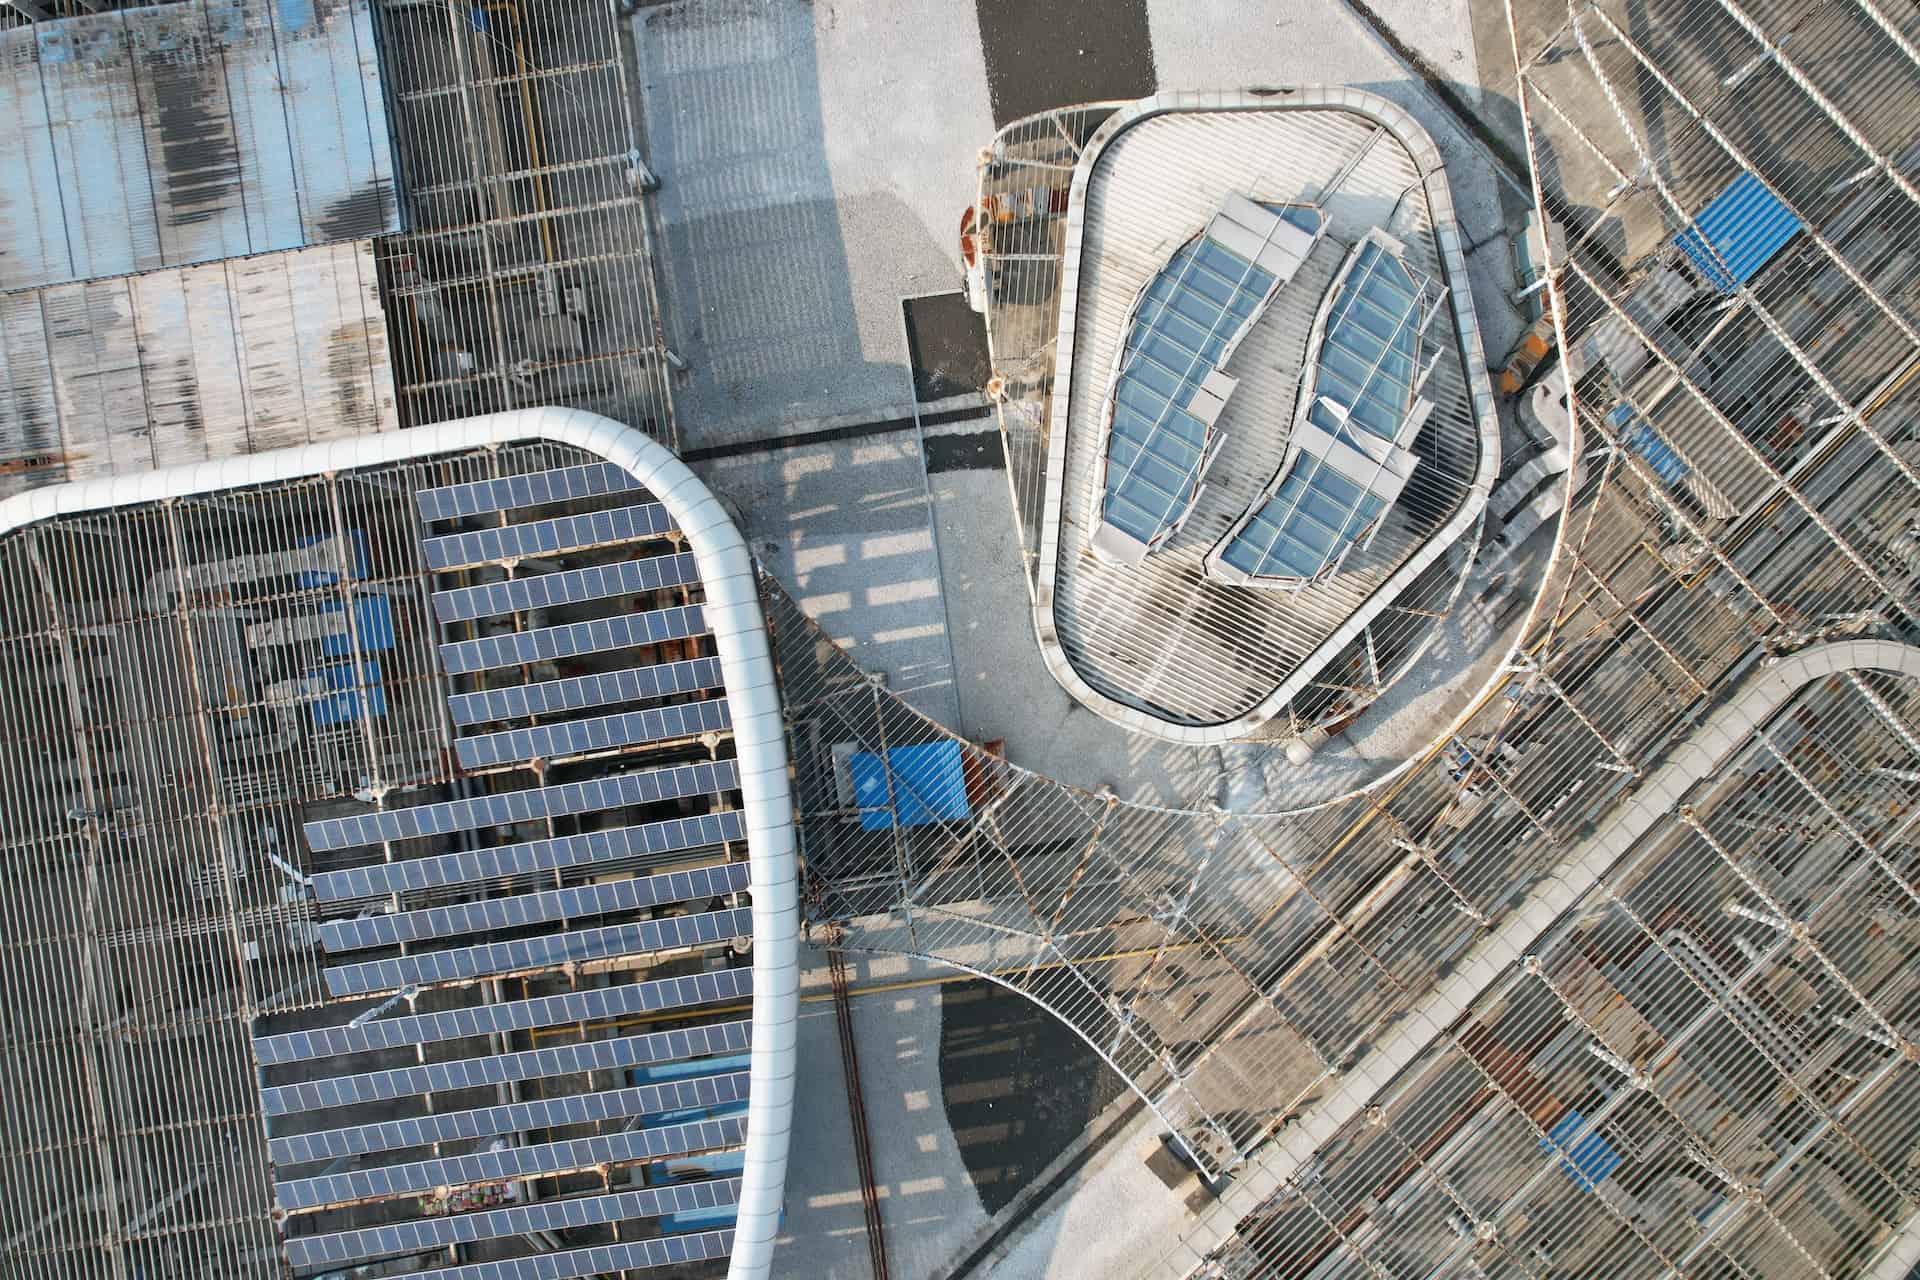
(665,1251)
(548,951)
(550,697)
(423,1234)
(594,1005)
(599,733)
(515,1117)
(607,1119)
(539,1160)
(536,488)
(530,1064)
(547,537)
(648,841)
(569,586)
(1347,461)
(572,639)
(649,786)
(492,914)
(1168,391)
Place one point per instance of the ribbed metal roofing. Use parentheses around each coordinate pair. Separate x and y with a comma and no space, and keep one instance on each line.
(162,136)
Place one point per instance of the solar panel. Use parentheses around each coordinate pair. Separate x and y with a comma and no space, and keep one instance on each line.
(650,840)
(547,537)
(540,1160)
(531,1064)
(1169,389)
(546,952)
(506,808)
(571,639)
(507,493)
(600,733)
(596,1005)
(517,1117)
(633,684)
(419,1235)
(662,1251)
(1347,459)
(532,908)
(572,586)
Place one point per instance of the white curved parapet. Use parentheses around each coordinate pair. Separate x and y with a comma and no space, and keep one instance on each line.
(746,663)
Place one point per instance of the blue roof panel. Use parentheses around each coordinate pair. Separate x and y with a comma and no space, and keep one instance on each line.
(1737,233)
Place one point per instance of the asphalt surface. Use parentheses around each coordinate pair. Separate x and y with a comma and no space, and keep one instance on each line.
(1041,56)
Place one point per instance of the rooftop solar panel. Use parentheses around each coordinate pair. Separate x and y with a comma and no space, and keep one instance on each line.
(418,1235)
(650,840)
(663,1251)
(600,733)
(536,488)
(531,1064)
(1169,388)
(1348,460)
(515,1117)
(532,908)
(570,640)
(595,1005)
(571,586)
(550,697)
(546,537)
(505,808)
(541,1159)
(549,951)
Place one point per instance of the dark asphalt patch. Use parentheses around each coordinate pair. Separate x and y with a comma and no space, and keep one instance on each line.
(971,451)
(1061,54)
(947,344)
(1018,1086)
(828,435)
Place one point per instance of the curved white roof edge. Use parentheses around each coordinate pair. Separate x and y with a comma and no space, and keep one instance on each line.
(1409,133)
(746,663)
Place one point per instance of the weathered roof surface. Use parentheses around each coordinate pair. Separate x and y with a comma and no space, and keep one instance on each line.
(117,376)
(162,136)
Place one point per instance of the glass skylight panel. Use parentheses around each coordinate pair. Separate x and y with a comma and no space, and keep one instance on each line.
(525,954)
(546,537)
(549,697)
(595,1005)
(516,1117)
(536,488)
(570,640)
(539,1160)
(601,733)
(708,777)
(570,586)
(494,914)
(420,1235)
(531,1064)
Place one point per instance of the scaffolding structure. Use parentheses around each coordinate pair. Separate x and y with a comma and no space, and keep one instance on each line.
(1236,966)
(525,274)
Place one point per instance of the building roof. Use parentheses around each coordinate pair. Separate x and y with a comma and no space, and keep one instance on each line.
(282,903)
(1155,642)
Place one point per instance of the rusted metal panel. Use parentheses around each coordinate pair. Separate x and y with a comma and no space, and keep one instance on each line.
(177,365)
(189,132)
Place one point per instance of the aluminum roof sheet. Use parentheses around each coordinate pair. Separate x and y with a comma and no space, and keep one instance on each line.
(161,136)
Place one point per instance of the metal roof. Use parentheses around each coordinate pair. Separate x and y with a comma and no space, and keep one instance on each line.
(112,377)
(161,136)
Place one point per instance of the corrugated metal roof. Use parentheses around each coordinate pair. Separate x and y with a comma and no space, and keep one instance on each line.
(172,366)
(1737,232)
(163,136)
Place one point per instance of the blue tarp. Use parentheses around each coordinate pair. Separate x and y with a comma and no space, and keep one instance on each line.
(1590,1160)
(1745,226)
(343,706)
(928,786)
(373,617)
(1638,436)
